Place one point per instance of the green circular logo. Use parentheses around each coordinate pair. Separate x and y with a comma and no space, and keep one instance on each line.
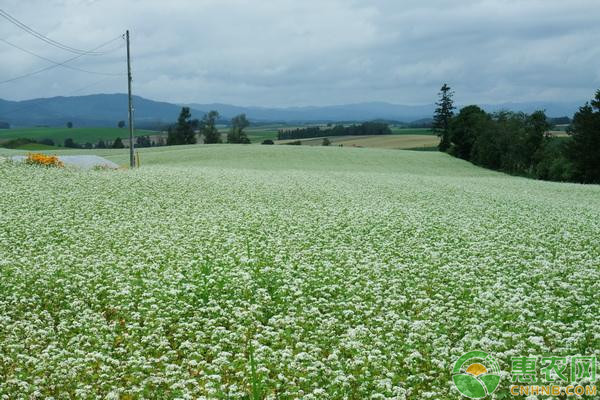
(476,374)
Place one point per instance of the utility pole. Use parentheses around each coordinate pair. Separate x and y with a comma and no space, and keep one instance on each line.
(131,156)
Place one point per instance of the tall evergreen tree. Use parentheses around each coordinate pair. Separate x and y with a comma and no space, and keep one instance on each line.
(584,148)
(118,144)
(236,133)
(442,116)
(208,128)
(183,131)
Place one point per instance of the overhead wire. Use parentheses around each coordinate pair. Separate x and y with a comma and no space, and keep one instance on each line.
(58,63)
(79,53)
(44,38)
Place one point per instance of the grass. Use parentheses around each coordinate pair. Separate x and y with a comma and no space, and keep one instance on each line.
(286,272)
(396,141)
(79,135)
(257,134)
(411,131)
(36,146)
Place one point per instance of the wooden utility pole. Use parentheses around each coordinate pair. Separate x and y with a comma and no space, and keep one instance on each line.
(131,155)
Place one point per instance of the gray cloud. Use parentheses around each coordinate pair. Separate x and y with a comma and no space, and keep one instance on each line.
(291,52)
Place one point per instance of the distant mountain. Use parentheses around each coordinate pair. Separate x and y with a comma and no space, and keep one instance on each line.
(372,111)
(107,109)
(91,110)
(346,112)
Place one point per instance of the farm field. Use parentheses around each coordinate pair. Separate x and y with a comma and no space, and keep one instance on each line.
(398,141)
(79,135)
(286,272)
(257,134)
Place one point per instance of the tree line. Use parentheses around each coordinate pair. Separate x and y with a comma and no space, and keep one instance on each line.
(184,131)
(140,141)
(519,143)
(366,128)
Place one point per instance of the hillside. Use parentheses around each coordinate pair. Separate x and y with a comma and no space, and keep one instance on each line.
(338,266)
(374,110)
(98,110)
(105,110)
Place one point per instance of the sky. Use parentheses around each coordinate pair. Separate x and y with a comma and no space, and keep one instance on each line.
(307,52)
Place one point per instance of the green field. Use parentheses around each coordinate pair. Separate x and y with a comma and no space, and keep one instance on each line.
(79,135)
(397,141)
(411,131)
(286,272)
(256,134)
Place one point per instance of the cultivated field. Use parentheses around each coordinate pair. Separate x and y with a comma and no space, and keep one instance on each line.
(376,141)
(286,272)
(79,135)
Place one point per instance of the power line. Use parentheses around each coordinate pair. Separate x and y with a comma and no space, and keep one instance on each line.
(58,63)
(43,38)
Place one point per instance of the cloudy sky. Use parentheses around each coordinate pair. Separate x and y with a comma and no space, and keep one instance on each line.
(309,52)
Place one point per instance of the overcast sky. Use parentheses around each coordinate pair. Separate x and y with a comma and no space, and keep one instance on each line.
(310,52)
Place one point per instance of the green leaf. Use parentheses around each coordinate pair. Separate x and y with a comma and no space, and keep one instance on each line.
(469,386)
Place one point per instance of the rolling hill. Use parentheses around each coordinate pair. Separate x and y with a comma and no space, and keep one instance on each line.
(105,110)
(98,110)
(333,264)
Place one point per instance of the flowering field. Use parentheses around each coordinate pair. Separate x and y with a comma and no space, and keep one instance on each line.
(283,272)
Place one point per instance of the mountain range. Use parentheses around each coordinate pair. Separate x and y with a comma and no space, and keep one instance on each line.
(108,109)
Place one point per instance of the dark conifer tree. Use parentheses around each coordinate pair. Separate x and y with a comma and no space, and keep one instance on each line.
(443,115)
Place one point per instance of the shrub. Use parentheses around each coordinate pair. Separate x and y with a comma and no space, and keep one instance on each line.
(15,143)
(268,141)
(70,143)
(326,142)
(44,160)
(47,141)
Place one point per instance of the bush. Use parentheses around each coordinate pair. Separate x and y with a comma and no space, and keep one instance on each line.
(267,141)
(552,163)
(295,143)
(48,142)
(14,143)
(326,142)
(70,143)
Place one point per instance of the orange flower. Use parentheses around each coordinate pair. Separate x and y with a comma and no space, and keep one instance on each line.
(42,159)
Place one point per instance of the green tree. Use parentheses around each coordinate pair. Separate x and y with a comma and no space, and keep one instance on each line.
(537,127)
(121,124)
(69,124)
(118,144)
(464,130)
(584,149)
(208,128)
(442,116)
(71,143)
(171,137)
(183,131)
(326,142)
(100,144)
(236,133)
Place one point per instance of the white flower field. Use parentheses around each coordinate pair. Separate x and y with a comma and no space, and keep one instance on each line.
(286,272)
